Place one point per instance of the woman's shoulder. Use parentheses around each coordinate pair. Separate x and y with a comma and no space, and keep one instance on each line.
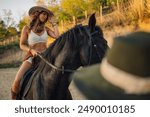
(26,29)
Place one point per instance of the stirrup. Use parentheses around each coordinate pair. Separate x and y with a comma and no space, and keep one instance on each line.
(13,95)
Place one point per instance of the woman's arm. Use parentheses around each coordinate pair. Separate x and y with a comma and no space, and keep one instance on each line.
(55,32)
(23,41)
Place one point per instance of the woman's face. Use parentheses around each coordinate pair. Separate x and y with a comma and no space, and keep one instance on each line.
(43,16)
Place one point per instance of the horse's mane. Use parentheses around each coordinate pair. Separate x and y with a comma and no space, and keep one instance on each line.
(69,40)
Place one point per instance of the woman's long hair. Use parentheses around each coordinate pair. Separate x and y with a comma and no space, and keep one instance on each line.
(37,24)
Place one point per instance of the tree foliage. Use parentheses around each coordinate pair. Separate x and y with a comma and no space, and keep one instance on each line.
(21,24)
(3,30)
(6,31)
(74,7)
(12,31)
(3,33)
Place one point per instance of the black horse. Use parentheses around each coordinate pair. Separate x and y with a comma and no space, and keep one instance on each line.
(79,46)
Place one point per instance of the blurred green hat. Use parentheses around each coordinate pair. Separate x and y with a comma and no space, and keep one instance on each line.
(124,72)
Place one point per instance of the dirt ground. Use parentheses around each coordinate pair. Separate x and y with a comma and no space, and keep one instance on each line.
(7,76)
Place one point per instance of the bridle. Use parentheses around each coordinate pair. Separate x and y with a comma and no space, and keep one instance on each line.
(62,69)
(92,44)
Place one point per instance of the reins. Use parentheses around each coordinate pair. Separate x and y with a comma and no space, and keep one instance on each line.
(55,67)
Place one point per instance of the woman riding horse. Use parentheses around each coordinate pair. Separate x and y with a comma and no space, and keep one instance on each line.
(36,34)
(79,46)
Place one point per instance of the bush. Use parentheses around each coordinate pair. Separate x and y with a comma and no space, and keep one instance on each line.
(14,45)
(11,65)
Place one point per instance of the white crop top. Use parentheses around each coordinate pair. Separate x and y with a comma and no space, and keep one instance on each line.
(33,38)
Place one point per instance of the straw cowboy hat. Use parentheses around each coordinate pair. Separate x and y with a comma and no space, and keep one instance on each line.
(124,72)
(39,9)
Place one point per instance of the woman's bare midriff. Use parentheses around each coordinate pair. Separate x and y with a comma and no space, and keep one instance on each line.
(40,47)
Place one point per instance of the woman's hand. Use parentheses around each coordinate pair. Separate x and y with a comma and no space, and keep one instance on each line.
(52,21)
(33,52)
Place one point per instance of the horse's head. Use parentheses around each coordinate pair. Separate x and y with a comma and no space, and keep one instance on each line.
(92,43)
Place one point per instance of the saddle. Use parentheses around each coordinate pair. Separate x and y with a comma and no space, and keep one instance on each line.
(26,81)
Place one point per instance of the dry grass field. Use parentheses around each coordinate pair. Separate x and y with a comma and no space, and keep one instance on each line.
(6,78)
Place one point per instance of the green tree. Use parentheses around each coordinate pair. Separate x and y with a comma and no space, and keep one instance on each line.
(75,8)
(3,30)
(3,33)
(2,24)
(21,24)
(12,31)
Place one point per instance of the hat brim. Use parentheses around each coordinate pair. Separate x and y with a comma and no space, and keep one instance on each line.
(93,85)
(39,9)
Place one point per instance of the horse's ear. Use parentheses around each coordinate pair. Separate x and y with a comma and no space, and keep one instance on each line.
(92,22)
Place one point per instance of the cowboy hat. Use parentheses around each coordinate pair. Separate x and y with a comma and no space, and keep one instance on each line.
(32,10)
(124,72)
